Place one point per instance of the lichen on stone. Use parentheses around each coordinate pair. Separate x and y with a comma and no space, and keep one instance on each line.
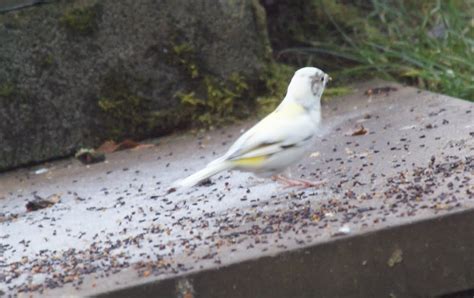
(83,20)
(6,89)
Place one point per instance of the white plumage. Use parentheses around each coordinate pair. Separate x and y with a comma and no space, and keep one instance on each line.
(278,140)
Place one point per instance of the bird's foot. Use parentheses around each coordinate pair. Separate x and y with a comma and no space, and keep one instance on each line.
(298,182)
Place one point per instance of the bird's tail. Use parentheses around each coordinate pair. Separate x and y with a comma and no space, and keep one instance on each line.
(210,170)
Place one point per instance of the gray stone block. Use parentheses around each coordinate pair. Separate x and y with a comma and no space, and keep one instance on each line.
(73,73)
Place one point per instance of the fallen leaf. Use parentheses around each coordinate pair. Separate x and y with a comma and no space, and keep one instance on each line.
(359,131)
(127,144)
(143,146)
(108,147)
(40,203)
(112,146)
(146,273)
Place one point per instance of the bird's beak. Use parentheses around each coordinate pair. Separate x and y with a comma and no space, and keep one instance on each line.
(327,79)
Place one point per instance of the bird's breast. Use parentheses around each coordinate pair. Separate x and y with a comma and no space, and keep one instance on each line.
(315,116)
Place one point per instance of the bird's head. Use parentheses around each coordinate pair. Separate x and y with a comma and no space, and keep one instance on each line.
(307,85)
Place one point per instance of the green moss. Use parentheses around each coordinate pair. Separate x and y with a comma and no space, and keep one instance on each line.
(208,100)
(45,61)
(218,104)
(205,100)
(11,94)
(183,56)
(48,60)
(83,21)
(125,112)
(6,89)
(165,119)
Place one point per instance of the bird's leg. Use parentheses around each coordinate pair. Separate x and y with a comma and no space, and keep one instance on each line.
(297,182)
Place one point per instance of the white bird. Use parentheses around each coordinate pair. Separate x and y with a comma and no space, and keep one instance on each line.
(278,140)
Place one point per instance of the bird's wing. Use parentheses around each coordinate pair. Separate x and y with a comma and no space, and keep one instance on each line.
(286,127)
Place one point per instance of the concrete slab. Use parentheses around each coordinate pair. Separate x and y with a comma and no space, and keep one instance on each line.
(381,225)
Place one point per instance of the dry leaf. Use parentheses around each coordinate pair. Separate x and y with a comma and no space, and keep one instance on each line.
(143,146)
(40,203)
(146,273)
(107,147)
(359,131)
(112,146)
(127,144)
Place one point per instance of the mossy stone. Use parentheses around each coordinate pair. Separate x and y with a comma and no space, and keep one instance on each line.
(91,70)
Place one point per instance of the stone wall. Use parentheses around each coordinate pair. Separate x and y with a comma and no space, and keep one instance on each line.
(74,73)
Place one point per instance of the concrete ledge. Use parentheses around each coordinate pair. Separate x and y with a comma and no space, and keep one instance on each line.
(423,259)
(394,217)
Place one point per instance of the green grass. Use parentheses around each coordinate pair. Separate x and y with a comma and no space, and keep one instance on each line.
(428,44)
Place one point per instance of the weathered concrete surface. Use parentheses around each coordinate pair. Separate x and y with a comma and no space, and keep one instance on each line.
(393,218)
(75,72)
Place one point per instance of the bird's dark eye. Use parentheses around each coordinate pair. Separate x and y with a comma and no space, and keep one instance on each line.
(322,79)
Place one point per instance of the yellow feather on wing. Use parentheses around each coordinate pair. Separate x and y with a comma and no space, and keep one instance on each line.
(250,161)
(254,152)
